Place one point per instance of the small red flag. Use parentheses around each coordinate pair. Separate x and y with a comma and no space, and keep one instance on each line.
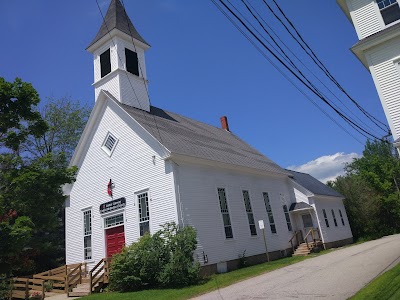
(109,188)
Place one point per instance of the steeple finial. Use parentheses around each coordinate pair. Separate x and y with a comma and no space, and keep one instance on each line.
(116,17)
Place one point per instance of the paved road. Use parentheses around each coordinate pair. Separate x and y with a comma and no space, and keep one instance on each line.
(336,275)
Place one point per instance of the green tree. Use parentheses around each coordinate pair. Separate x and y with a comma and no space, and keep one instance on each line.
(66,120)
(371,188)
(29,186)
(18,119)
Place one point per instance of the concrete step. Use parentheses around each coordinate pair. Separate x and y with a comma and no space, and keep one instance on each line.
(78,294)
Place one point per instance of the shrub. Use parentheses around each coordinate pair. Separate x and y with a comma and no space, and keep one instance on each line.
(5,287)
(180,269)
(164,259)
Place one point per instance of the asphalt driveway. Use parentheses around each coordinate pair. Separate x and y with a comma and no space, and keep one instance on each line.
(336,275)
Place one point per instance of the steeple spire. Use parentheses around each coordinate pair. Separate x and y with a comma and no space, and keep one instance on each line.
(116,17)
(119,59)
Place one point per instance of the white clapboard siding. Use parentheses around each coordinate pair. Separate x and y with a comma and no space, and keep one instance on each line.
(199,198)
(385,72)
(132,169)
(333,233)
(366,17)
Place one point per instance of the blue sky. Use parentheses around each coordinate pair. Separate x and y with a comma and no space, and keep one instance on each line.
(199,66)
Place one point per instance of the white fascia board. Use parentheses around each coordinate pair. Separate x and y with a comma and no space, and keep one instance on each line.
(116,33)
(327,198)
(183,158)
(343,5)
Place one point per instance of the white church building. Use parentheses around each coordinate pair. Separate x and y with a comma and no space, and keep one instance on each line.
(161,167)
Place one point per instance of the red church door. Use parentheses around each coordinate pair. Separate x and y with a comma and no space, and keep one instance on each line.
(115,240)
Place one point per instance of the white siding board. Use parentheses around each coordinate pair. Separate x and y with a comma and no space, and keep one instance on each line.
(131,169)
(386,77)
(198,190)
(366,17)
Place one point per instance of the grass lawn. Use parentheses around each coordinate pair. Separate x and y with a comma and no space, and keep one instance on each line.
(212,283)
(385,287)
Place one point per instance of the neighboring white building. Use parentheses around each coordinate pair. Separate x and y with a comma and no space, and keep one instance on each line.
(162,167)
(377,23)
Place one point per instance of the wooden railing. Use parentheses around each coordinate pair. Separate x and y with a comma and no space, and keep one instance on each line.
(73,277)
(56,277)
(22,286)
(296,235)
(100,273)
(313,232)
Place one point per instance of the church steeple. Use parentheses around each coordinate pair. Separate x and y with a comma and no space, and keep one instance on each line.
(119,62)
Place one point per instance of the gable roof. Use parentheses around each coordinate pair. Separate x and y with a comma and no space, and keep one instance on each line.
(313,185)
(300,206)
(116,17)
(185,136)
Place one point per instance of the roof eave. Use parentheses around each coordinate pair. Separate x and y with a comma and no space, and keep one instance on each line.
(345,9)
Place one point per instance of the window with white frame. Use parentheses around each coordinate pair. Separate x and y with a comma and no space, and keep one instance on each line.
(341,217)
(334,217)
(109,143)
(144,215)
(389,10)
(87,234)
(225,213)
(326,218)
(286,212)
(269,212)
(249,211)
(114,221)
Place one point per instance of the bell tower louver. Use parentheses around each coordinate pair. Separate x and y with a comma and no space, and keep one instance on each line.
(119,59)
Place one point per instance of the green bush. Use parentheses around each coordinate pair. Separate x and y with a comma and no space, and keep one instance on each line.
(164,259)
(5,287)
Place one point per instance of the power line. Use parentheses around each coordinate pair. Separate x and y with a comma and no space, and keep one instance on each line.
(321,65)
(355,126)
(281,72)
(120,59)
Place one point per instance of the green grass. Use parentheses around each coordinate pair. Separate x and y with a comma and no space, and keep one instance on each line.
(210,284)
(385,287)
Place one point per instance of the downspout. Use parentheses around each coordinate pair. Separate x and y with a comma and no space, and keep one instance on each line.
(178,194)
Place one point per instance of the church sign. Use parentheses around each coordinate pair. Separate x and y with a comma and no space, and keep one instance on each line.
(112,205)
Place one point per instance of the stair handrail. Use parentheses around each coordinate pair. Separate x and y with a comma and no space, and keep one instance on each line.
(305,238)
(102,265)
(295,234)
(72,276)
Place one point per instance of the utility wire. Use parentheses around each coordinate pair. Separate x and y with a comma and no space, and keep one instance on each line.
(353,124)
(253,11)
(320,64)
(129,80)
(282,73)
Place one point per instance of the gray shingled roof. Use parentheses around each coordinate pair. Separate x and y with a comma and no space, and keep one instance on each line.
(299,206)
(313,185)
(116,17)
(182,135)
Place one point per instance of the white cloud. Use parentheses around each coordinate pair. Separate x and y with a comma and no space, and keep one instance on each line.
(327,167)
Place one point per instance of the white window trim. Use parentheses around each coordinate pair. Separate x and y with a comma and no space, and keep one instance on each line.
(229,212)
(137,194)
(378,10)
(272,213)
(249,212)
(112,216)
(105,149)
(85,235)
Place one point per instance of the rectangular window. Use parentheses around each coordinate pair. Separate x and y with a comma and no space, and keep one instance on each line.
(341,217)
(144,216)
(249,211)
(390,10)
(114,221)
(105,63)
(334,217)
(286,212)
(326,218)
(225,213)
(87,234)
(269,212)
(132,65)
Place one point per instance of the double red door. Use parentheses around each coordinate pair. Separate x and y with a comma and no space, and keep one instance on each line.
(115,240)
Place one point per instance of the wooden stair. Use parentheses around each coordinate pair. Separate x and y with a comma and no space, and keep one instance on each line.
(303,250)
(82,289)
